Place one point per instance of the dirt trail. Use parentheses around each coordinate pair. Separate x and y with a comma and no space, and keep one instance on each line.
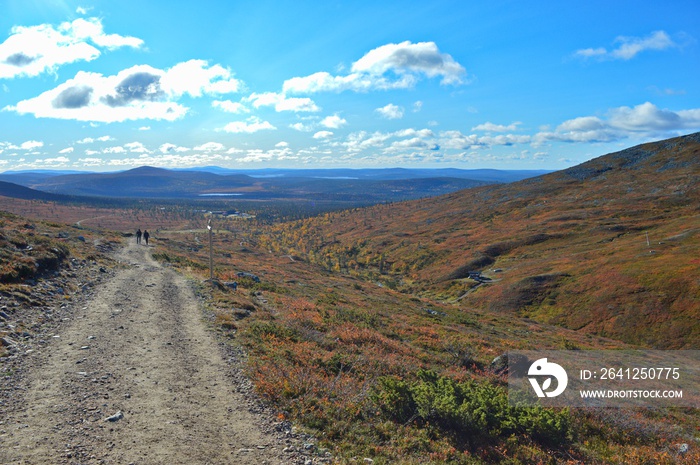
(139,347)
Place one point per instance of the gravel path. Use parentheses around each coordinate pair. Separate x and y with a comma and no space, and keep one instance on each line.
(135,378)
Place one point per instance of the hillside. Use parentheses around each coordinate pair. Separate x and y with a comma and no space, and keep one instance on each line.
(567,248)
(8,189)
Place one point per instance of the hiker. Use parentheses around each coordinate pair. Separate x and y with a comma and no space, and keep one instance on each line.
(146,236)
(138,236)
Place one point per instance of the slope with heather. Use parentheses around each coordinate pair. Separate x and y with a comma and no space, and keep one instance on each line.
(607,247)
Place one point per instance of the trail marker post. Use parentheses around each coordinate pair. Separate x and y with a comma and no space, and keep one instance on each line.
(211,251)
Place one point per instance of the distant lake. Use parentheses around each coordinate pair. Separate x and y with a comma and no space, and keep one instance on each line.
(224,194)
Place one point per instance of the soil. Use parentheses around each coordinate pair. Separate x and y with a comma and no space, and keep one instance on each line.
(133,376)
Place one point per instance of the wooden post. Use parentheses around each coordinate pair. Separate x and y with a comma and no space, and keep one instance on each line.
(211,252)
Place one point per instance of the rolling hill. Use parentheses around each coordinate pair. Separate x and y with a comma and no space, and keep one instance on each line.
(365,186)
(608,247)
(8,189)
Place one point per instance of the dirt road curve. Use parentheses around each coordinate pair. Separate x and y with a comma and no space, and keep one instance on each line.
(139,348)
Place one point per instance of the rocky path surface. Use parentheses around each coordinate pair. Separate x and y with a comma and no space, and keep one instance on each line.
(135,378)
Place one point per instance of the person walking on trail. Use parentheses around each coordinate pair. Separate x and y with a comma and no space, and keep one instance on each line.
(146,236)
(138,236)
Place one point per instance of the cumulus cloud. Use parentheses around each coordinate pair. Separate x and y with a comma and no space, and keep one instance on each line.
(628,47)
(139,92)
(211,147)
(31,145)
(390,111)
(260,155)
(403,139)
(491,127)
(196,77)
(333,122)
(159,159)
(230,107)
(66,150)
(90,140)
(172,148)
(458,140)
(33,50)
(301,127)
(323,135)
(251,125)
(391,66)
(136,147)
(622,122)
(283,103)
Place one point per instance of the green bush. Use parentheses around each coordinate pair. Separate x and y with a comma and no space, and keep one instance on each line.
(468,412)
(261,329)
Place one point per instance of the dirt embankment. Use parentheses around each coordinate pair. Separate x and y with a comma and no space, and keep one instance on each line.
(134,377)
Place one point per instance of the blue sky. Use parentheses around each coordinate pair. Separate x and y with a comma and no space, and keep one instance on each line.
(107,85)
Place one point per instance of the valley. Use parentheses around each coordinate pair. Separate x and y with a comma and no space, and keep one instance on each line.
(360,325)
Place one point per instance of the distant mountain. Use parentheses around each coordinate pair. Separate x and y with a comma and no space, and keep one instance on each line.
(356,186)
(384,174)
(29,178)
(609,247)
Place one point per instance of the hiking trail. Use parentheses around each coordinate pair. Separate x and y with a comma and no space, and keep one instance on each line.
(135,378)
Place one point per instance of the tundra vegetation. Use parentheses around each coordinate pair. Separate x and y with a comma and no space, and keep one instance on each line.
(368,328)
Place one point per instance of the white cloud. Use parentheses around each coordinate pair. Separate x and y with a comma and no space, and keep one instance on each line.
(196,77)
(406,58)
(162,159)
(417,105)
(251,125)
(145,128)
(170,148)
(622,122)
(33,50)
(210,147)
(139,92)
(491,127)
(259,155)
(391,66)
(301,127)
(323,135)
(282,144)
(390,111)
(409,138)
(629,47)
(136,147)
(230,107)
(333,122)
(459,141)
(31,144)
(283,103)
(90,140)
(113,150)
(66,150)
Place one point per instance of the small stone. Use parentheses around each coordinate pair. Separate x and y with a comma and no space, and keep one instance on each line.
(116,417)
